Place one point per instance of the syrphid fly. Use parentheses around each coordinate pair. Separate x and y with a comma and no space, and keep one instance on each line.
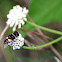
(11,37)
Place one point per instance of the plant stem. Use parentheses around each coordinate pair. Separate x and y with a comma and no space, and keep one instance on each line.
(46,39)
(27,43)
(3,32)
(45,45)
(46,29)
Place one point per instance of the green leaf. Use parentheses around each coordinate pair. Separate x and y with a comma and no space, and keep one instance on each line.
(45,11)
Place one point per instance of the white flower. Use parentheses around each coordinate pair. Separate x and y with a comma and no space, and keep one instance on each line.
(17,43)
(17,16)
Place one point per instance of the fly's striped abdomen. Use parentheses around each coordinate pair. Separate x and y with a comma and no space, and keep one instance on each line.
(11,37)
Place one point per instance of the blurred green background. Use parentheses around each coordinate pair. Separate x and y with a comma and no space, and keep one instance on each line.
(47,13)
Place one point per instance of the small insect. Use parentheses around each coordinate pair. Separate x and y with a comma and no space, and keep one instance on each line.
(15,40)
(11,37)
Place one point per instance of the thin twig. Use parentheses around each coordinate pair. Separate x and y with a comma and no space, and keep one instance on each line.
(44,36)
(52,48)
(59,46)
(3,32)
(36,33)
(32,37)
(38,28)
(30,31)
(27,43)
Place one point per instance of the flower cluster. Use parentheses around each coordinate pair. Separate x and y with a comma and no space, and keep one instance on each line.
(17,16)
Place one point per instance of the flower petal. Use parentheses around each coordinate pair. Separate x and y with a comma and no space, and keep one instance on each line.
(14,28)
(19,25)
